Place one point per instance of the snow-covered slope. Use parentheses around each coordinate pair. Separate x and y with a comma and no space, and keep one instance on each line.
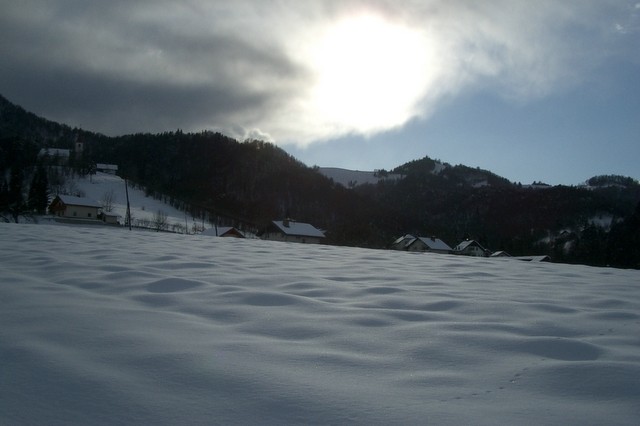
(350,178)
(107,326)
(142,207)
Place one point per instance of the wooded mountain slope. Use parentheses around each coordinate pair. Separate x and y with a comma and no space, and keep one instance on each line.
(251,183)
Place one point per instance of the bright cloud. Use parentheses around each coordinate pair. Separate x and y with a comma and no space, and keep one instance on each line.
(375,71)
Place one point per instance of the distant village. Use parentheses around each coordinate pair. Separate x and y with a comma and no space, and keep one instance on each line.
(82,210)
(72,209)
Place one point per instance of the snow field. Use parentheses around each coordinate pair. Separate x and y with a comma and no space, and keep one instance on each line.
(107,326)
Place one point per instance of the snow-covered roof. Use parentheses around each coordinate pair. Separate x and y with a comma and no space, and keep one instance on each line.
(220,231)
(543,258)
(300,229)
(434,243)
(70,200)
(463,245)
(404,241)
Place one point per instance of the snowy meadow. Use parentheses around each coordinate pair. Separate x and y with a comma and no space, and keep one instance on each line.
(106,326)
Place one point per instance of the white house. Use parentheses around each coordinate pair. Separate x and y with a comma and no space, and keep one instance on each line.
(292,231)
(68,206)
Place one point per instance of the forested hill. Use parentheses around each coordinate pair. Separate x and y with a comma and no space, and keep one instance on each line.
(251,183)
(246,183)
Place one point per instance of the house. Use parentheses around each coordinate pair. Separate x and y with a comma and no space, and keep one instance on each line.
(110,218)
(500,253)
(470,248)
(55,156)
(430,244)
(402,242)
(426,244)
(224,231)
(541,258)
(111,169)
(68,206)
(292,231)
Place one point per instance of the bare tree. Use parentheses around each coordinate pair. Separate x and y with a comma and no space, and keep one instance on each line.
(108,198)
(159,221)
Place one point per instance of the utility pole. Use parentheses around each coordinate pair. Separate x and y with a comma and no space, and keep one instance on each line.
(128,218)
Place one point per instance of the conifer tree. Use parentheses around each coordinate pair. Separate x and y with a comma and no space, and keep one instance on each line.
(15,198)
(38,191)
(4,197)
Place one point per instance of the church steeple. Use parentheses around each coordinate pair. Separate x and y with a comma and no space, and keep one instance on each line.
(79,146)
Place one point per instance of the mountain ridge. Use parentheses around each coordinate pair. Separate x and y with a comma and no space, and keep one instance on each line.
(254,182)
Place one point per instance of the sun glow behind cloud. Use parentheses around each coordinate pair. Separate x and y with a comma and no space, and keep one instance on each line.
(369,74)
(369,71)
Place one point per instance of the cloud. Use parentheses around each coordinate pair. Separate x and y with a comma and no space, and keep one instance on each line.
(246,67)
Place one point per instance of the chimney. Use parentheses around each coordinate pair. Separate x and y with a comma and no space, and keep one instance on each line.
(286,222)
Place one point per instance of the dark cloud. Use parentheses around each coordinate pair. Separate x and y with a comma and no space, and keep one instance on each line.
(124,76)
(115,106)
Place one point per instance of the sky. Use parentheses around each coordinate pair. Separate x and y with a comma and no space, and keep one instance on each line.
(533,91)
